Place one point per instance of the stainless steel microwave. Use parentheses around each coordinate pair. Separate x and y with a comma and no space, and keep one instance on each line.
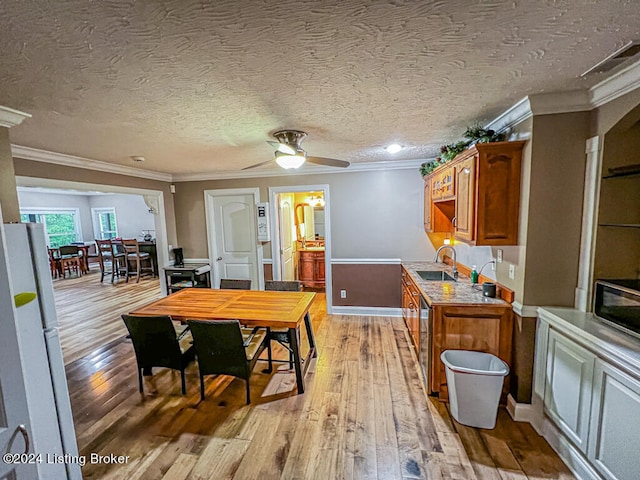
(617,302)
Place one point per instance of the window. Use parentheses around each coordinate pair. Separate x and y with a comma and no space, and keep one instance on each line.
(62,227)
(104,223)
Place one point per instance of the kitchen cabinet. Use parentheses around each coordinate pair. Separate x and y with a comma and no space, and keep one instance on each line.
(465,199)
(311,266)
(462,327)
(411,309)
(428,207)
(481,202)
(567,398)
(588,375)
(613,437)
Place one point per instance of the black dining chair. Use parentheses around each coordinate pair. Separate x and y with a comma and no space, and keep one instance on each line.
(158,342)
(281,335)
(234,284)
(222,349)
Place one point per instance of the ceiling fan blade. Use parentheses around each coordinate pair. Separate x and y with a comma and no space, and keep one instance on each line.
(331,162)
(282,147)
(258,165)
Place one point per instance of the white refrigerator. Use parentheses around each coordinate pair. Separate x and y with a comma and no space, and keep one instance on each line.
(48,425)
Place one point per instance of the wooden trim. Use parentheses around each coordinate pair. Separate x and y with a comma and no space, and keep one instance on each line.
(502,292)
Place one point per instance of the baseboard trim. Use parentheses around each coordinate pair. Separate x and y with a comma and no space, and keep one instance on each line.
(525,310)
(520,412)
(573,458)
(368,311)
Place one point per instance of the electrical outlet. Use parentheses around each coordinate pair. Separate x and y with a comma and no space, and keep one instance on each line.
(512,271)
(499,256)
(343,294)
(493,266)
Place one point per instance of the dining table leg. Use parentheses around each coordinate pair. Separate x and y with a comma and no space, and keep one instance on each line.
(312,338)
(297,360)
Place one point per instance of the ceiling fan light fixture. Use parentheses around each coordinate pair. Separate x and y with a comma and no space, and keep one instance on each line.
(393,148)
(290,161)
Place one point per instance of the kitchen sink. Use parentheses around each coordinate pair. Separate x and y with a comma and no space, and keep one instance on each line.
(435,275)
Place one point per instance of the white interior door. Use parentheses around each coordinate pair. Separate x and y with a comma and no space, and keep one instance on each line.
(286,236)
(234,250)
(14,416)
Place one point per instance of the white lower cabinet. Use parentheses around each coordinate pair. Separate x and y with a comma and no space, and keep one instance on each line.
(587,394)
(567,396)
(615,426)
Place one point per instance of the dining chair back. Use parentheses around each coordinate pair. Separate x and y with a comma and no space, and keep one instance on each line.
(222,349)
(105,258)
(141,260)
(235,284)
(70,260)
(54,262)
(281,335)
(157,343)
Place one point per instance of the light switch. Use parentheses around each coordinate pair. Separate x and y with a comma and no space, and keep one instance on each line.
(512,271)
(343,294)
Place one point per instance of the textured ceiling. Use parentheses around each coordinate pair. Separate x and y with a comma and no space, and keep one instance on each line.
(199,86)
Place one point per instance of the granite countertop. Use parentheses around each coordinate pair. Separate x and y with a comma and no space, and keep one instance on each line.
(443,292)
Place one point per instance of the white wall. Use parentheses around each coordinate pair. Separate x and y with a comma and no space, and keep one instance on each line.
(132,214)
(55,201)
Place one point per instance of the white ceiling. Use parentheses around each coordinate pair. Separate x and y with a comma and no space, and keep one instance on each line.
(199,86)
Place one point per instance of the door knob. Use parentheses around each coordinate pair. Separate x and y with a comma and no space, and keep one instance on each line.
(218,259)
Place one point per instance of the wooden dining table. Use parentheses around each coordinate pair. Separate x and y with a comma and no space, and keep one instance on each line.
(253,308)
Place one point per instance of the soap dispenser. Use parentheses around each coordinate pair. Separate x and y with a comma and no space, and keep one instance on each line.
(474,275)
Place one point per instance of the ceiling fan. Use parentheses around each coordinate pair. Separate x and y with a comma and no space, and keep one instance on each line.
(289,153)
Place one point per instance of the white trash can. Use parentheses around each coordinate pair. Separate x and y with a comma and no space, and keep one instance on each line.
(475,383)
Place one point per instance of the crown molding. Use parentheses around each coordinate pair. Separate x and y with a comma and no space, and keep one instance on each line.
(616,85)
(514,115)
(29,153)
(10,117)
(308,170)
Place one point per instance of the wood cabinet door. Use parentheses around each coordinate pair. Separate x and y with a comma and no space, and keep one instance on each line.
(569,382)
(465,199)
(306,267)
(428,206)
(498,197)
(320,267)
(476,328)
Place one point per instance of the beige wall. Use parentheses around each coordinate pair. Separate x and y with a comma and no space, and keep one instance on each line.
(555,208)
(29,168)
(8,193)
(374,214)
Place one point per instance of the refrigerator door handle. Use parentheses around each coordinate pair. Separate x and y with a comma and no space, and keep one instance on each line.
(25,436)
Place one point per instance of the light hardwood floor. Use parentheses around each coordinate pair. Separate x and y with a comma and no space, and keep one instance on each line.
(89,311)
(364,415)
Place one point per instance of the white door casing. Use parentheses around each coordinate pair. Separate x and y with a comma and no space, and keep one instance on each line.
(14,416)
(286,234)
(275,242)
(232,235)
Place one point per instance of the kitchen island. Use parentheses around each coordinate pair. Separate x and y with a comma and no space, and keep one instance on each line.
(443,315)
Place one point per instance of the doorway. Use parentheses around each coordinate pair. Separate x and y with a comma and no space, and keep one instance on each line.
(232,235)
(301,244)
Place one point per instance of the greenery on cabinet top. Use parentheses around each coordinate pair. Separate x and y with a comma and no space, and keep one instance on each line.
(473,135)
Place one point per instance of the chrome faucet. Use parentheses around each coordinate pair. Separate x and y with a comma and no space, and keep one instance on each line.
(455,268)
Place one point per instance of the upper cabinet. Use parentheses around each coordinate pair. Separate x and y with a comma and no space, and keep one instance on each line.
(480,203)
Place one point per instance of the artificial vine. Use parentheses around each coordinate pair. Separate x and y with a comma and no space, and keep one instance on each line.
(474,134)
